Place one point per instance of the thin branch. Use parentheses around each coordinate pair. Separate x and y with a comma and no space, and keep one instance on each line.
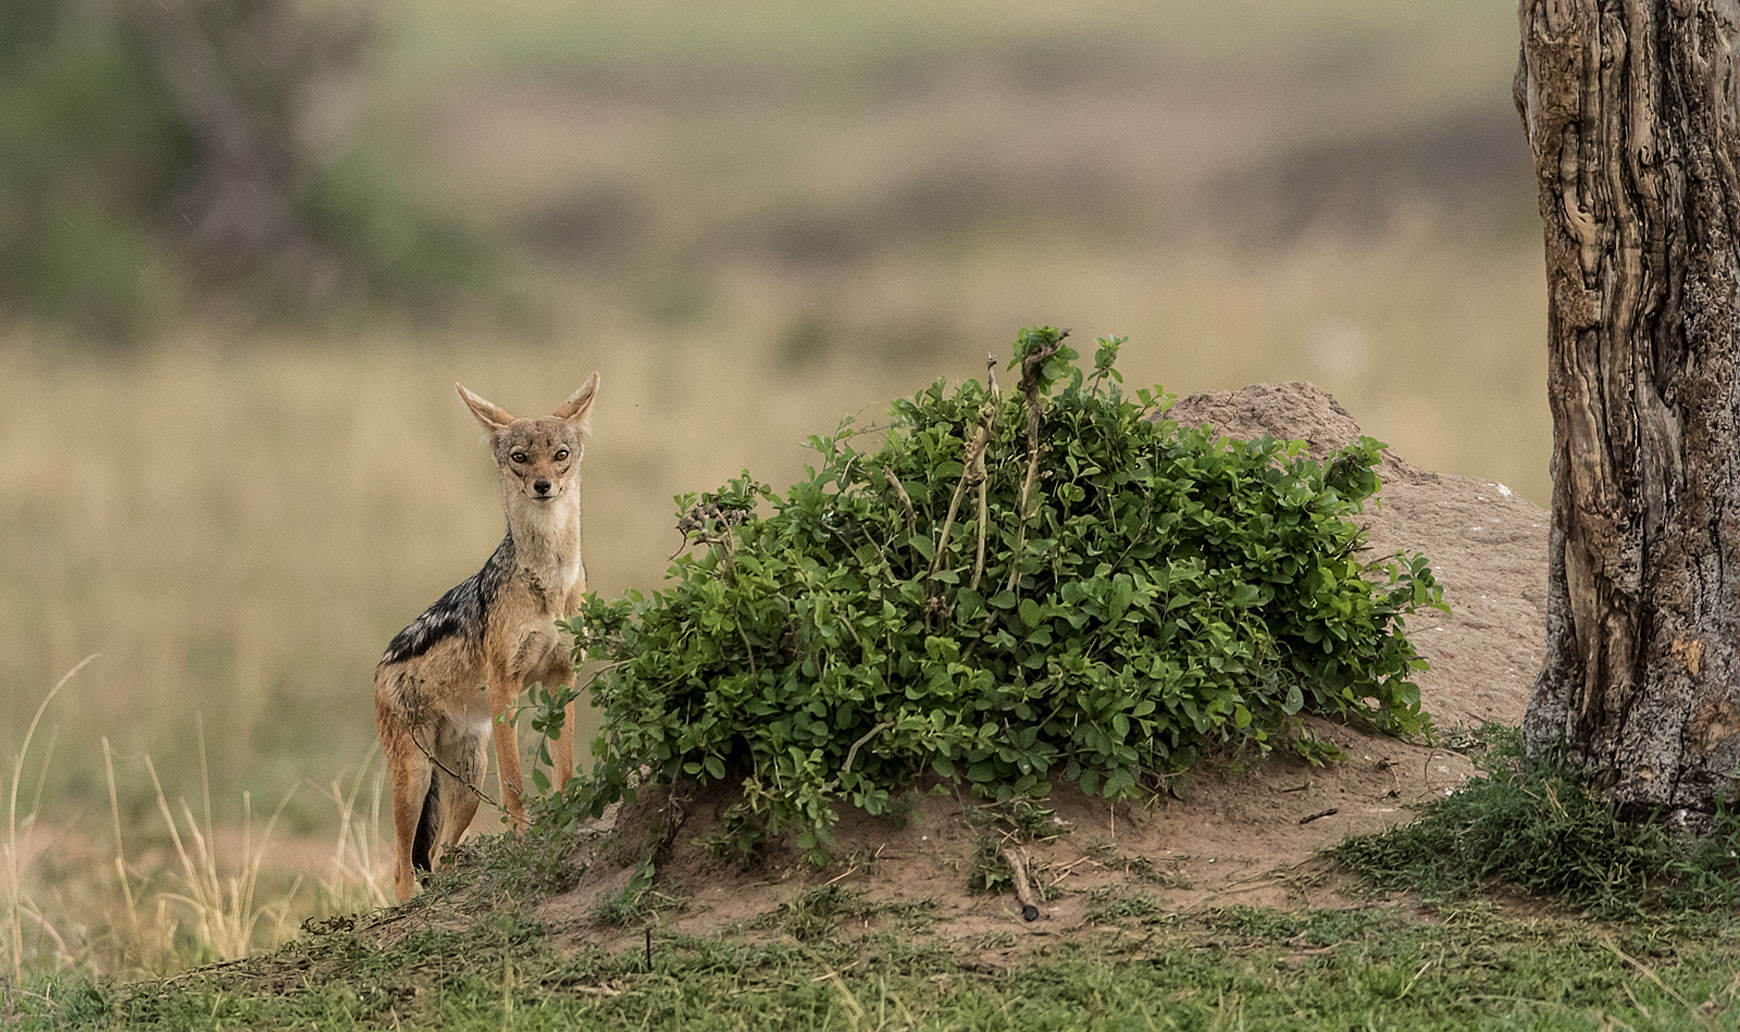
(852,753)
(905,500)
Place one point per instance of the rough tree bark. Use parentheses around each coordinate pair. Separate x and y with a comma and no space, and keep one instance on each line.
(1631,111)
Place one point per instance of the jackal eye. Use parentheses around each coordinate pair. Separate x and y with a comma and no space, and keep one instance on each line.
(519,456)
(561,453)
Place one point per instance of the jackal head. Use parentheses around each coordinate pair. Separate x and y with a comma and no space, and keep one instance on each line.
(539,458)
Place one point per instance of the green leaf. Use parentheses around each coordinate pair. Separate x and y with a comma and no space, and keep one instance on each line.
(1118,597)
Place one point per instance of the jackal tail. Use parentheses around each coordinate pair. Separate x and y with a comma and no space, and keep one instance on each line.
(428,827)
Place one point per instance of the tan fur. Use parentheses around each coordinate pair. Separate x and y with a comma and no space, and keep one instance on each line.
(434,708)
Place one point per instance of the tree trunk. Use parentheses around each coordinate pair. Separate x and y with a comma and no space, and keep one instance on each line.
(1630,107)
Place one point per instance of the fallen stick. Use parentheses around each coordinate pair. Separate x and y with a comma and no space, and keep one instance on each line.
(1023,890)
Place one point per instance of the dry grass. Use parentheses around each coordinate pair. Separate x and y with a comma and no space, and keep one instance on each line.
(357,878)
(17,906)
(192,893)
(220,903)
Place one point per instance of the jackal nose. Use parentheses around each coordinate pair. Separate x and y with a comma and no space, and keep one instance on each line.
(540,486)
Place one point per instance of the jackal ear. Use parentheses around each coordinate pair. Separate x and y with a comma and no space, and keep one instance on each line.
(492,416)
(577,410)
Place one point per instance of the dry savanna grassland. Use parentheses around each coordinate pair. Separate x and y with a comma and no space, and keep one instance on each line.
(752,224)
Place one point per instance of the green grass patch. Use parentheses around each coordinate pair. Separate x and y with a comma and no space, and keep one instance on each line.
(637,902)
(540,860)
(1243,968)
(1111,904)
(819,911)
(1539,828)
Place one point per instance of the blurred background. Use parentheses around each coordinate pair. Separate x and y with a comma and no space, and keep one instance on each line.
(246,247)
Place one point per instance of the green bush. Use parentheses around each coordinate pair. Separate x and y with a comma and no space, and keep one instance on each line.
(1003,588)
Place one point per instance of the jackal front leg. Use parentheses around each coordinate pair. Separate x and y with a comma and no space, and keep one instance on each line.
(503,692)
(561,677)
(564,742)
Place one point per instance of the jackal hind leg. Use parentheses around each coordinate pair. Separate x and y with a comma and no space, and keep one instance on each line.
(409,774)
(461,791)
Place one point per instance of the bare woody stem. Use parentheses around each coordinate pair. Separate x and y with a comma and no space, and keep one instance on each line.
(1030,370)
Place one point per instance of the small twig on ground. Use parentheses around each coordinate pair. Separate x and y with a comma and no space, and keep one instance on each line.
(1023,889)
(1308,818)
(1068,869)
(1283,875)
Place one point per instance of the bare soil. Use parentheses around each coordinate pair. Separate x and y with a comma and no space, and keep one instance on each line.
(1244,833)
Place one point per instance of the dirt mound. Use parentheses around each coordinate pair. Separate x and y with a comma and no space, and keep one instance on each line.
(1241,835)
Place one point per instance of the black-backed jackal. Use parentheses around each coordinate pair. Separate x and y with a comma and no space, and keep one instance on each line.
(457,669)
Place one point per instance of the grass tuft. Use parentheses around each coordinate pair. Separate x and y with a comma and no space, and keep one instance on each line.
(538,860)
(199,891)
(357,877)
(819,911)
(638,901)
(1110,904)
(17,909)
(1539,827)
(227,915)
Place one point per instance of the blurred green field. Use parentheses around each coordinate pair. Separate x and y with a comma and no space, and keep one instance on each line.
(752,221)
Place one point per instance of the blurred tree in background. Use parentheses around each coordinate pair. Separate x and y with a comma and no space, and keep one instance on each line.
(157,152)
